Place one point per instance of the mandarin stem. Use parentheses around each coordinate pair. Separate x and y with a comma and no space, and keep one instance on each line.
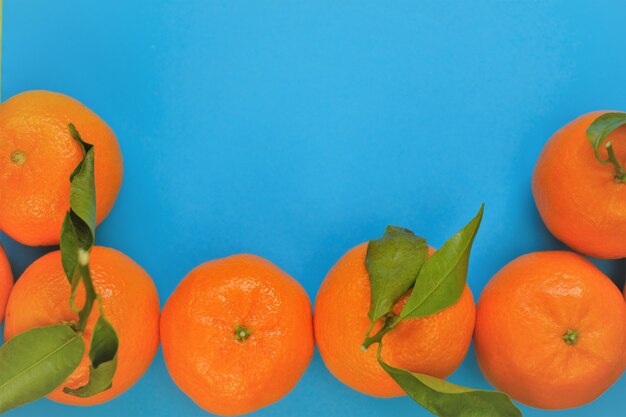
(620,174)
(570,337)
(391,322)
(241,333)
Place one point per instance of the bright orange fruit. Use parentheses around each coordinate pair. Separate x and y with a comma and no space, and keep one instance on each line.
(434,345)
(37,156)
(577,197)
(551,330)
(6,281)
(237,334)
(130,301)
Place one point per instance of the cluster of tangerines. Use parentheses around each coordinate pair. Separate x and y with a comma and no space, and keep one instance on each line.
(238,332)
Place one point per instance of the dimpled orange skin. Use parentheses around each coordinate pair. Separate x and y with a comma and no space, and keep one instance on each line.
(6,281)
(434,345)
(130,300)
(37,156)
(525,311)
(223,375)
(577,197)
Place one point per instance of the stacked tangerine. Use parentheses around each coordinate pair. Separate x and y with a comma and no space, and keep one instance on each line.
(39,155)
(551,327)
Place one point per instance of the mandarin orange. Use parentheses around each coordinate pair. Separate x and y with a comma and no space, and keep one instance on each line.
(130,302)
(551,330)
(237,334)
(6,281)
(434,345)
(37,156)
(578,198)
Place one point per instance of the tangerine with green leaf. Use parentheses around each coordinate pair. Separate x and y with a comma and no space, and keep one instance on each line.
(579,184)
(130,302)
(237,334)
(37,156)
(6,281)
(433,345)
(551,330)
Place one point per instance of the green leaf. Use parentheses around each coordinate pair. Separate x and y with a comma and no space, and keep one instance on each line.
(446,399)
(90,292)
(601,128)
(36,362)
(77,240)
(441,280)
(79,227)
(103,355)
(393,262)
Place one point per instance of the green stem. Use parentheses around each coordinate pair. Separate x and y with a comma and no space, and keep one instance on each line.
(391,321)
(369,329)
(620,174)
(570,337)
(241,333)
(379,350)
(90,291)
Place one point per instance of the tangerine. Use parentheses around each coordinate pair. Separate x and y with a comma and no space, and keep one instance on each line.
(6,281)
(130,301)
(237,334)
(37,156)
(434,345)
(579,198)
(551,330)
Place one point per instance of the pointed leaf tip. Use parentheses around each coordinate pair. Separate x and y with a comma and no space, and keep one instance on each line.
(442,278)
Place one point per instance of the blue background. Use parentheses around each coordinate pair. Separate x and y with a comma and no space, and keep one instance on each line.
(295,131)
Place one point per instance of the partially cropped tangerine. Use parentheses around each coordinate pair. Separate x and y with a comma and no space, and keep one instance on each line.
(551,330)
(580,199)
(434,345)
(37,156)
(237,334)
(130,301)
(6,281)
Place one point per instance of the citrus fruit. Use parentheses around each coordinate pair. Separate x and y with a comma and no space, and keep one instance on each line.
(6,281)
(130,301)
(578,198)
(237,334)
(37,156)
(434,345)
(551,330)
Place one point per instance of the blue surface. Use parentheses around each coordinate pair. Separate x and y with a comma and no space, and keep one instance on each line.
(297,131)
